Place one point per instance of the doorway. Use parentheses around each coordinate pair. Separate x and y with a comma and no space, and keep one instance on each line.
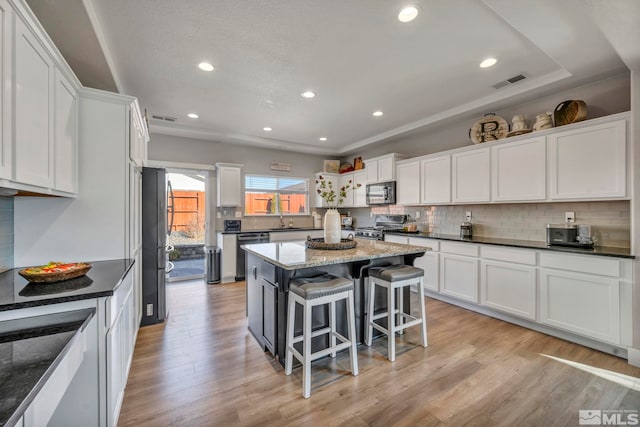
(187,223)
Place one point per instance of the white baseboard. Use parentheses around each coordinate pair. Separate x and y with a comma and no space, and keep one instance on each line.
(633,356)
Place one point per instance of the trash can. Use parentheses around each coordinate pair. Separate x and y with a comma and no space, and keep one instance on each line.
(213,264)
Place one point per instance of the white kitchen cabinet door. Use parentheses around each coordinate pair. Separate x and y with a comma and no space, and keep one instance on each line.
(360,193)
(330,179)
(291,236)
(66,135)
(408,183)
(227,243)
(5,99)
(471,176)
(459,277)
(394,238)
(509,287)
(586,304)
(33,97)
(386,169)
(343,181)
(588,163)
(229,186)
(519,171)
(429,262)
(435,174)
(371,166)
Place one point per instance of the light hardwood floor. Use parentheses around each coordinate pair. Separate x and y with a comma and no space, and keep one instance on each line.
(203,368)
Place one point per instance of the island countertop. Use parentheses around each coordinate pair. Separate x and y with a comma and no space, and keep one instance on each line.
(295,255)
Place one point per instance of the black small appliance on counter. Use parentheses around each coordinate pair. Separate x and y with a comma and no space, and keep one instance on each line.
(232,225)
(566,235)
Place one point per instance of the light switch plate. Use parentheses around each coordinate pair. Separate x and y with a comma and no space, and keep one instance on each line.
(238,214)
(218,215)
(418,215)
(570,217)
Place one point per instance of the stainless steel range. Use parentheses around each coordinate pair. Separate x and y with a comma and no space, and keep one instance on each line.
(383,223)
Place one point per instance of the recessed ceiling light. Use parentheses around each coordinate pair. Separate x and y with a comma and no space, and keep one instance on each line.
(323,138)
(377,113)
(308,94)
(205,66)
(489,62)
(408,14)
(192,115)
(267,129)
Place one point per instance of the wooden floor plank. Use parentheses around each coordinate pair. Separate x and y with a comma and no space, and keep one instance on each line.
(203,368)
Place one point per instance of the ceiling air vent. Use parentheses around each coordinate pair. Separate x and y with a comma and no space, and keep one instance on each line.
(165,118)
(510,81)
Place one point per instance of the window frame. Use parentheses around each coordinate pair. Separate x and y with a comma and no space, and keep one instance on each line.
(278,193)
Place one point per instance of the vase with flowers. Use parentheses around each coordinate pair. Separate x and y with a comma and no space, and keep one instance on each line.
(334,197)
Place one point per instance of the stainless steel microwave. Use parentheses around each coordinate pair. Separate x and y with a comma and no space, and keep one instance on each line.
(382,193)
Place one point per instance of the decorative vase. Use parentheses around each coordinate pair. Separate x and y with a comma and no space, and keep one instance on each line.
(332,226)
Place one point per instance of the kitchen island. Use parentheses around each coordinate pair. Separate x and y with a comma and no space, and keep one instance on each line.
(271,266)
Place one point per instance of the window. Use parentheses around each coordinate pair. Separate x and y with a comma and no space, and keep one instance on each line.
(274,195)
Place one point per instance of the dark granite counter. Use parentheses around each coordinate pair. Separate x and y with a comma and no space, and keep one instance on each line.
(30,351)
(530,244)
(270,230)
(101,281)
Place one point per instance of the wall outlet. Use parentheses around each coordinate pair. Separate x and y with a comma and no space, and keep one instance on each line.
(418,215)
(218,215)
(370,214)
(570,217)
(468,216)
(149,309)
(238,214)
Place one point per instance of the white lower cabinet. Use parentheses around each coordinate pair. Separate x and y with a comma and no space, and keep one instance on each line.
(586,304)
(393,238)
(428,262)
(459,277)
(289,236)
(509,287)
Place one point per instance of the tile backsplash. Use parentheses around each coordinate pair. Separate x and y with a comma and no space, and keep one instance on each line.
(610,221)
(6,233)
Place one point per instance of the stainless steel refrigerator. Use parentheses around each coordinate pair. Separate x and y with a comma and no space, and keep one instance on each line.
(154,242)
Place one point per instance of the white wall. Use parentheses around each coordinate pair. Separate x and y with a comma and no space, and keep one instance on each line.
(603,97)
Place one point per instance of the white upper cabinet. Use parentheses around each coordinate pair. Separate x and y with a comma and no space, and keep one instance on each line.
(229,185)
(5,99)
(408,183)
(343,181)
(360,193)
(139,136)
(435,173)
(382,169)
(471,176)
(33,78)
(518,170)
(588,162)
(66,135)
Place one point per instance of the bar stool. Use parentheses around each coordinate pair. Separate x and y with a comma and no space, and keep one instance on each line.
(395,277)
(310,292)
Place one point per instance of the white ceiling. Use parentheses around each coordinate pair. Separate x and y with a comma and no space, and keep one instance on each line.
(355,55)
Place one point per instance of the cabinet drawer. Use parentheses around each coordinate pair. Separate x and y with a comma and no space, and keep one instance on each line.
(519,256)
(429,243)
(466,249)
(268,272)
(45,403)
(114,303)
(583,264)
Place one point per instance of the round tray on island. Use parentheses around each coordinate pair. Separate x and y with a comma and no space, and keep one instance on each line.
(348,243)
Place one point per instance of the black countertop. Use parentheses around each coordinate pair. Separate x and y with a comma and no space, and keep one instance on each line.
(30,351)
(270,230)
(101,281)
(530,244)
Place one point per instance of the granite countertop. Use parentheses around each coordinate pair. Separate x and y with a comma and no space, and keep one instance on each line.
(295,255)
(271,230)
(30,350)
(101,281)
(530,244)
